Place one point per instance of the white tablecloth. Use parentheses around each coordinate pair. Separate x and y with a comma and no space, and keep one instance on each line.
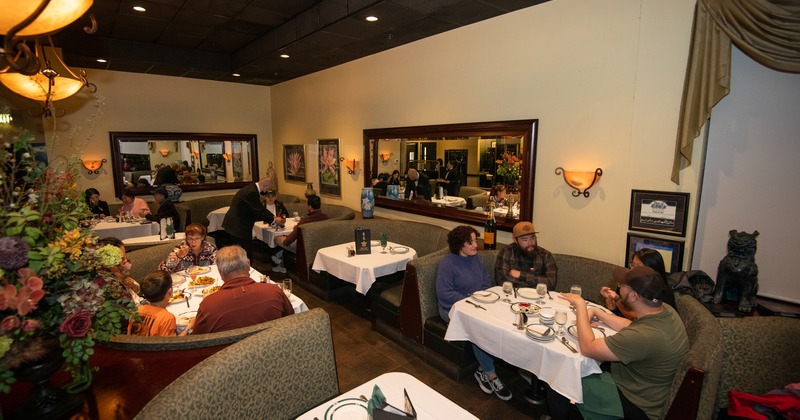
(180,281)
(125,230)
(152,239)
(450,201)
(428,403)
(215,219)
(361,270)
(492,331)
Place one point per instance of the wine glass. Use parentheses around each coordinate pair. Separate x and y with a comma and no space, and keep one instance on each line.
(508,288)
(296,216)
(384,242)
(561,320)
(575,289)
(541,290)
(287,287)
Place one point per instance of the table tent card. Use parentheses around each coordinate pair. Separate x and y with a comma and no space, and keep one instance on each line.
(363,241)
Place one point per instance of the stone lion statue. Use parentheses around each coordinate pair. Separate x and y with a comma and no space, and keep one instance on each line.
(737,278)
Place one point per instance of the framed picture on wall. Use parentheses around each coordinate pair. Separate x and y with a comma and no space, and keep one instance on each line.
(658,212)
(671,251)
(294,163)
(329,167)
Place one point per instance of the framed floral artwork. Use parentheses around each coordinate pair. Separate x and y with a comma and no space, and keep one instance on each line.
(329,167)
(294,163)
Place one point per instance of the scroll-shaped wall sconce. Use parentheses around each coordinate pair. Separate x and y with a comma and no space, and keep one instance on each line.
(580,180)
(196,154)
(93,166)
(351,165)
(385,157)
(227,156)
(164,152)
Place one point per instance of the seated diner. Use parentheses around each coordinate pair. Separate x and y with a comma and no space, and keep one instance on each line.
(195,250)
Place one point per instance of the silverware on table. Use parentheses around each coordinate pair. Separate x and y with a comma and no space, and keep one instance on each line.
(515,292)
(569,346)
(475,305)
(548,295)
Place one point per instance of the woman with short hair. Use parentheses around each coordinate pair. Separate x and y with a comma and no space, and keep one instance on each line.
(194,250)
(133,205)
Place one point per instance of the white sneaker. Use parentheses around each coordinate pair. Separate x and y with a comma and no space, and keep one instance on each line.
(278,269)
(277,260)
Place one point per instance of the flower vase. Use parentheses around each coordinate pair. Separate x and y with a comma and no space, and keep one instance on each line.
(46,401)
(310,190)
(367,202)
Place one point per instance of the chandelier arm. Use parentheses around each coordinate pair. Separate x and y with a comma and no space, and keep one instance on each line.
(93,28)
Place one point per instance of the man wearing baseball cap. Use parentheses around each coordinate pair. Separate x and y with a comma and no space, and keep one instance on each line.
(166,208)
(645,353)
(524,263)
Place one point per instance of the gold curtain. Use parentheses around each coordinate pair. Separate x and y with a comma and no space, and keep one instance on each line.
(768,31)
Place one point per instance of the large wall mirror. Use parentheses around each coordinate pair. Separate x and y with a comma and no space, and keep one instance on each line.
(484,155)
(201,162)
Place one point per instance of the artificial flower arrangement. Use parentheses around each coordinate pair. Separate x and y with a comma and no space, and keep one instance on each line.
(55,283)
(509,167)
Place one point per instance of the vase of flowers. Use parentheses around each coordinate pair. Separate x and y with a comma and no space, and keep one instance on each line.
(509,169)
(55,283)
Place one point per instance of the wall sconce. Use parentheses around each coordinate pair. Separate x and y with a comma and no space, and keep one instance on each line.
(93,166)
(580,180)
(385,157)
(164,152)
(196,154)
(227,156)
(351,165)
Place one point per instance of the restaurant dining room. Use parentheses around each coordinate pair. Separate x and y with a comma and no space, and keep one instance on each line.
(381,209)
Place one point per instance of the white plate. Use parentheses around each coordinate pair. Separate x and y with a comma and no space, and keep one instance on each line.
(486,296)
(547,313)
(348,408)
(573,331)
(527,293)
(200,270)
(399,249)
(184,318)
(537,332)
(183,301)
(524,307)
(375,243)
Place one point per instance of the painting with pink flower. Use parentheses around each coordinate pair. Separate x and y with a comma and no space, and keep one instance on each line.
(329,167)
(294,163)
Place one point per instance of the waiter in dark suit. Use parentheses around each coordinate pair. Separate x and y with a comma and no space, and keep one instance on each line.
(451,179)
(246,209)
(418,183)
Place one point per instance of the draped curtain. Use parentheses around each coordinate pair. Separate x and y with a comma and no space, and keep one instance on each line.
(768,31)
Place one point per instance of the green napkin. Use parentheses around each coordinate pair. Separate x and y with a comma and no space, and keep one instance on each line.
(600,398)
(377,401)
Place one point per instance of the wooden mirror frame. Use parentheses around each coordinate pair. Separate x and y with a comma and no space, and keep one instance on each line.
(117,137)
(526,129)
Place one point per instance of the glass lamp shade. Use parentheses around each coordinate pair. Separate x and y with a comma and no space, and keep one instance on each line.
(580,181)
(36,87)
(57,14)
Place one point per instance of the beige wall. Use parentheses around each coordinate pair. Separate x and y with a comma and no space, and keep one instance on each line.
(603,78)
(139,102)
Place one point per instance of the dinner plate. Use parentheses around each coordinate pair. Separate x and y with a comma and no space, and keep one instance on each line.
(184,318)
(399,249)
(486,296)
(524,307)
(527,293)
(182,300)
(573,331)
(198,269)
(540,332)
(348,408)
(602,308)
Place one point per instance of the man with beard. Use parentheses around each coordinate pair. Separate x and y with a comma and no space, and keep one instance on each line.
(524,263)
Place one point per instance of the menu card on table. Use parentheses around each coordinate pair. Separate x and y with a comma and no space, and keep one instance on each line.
(363,241)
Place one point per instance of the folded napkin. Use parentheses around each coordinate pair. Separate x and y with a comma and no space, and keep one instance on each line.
(377,401)
(379,409)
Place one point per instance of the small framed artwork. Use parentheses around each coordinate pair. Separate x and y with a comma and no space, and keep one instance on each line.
(658,212)
(294,162)
(329,167)
(671,251)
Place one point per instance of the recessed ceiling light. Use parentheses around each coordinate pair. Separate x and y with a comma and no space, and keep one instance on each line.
(102,60)
(236,75)
(139,9)
(284,55)
(372,18)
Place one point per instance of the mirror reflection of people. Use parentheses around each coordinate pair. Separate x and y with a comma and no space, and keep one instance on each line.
(195,250)
(419,184)
(461,273)
(380,183)
(133,205)
(96,205)
(395,178)
(167,174)
(451,178)
(498,195)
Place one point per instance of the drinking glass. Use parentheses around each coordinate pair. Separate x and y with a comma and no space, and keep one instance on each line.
(541,290)
(508,288)
(575,289)
(287,287)
(192,273)
(296,216)
(384,242)
(561,320)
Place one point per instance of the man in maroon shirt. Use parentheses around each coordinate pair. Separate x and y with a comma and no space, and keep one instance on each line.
(241,301)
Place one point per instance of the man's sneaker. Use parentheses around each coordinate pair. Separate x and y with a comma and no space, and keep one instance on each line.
(483,381)
(500,390)
(277,260)
(278,269)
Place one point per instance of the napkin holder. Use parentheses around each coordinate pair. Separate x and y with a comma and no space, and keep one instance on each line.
(363,243)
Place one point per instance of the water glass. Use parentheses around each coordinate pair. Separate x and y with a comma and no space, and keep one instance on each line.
(508,288)
(287,287)
(541,290)
(561,320)
(575,289)
(296,216)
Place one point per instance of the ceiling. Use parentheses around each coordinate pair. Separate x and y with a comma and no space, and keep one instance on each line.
(212,39)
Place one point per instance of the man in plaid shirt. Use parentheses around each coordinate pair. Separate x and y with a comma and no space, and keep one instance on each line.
(524,263)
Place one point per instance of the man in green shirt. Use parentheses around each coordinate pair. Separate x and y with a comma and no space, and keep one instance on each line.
(644,354)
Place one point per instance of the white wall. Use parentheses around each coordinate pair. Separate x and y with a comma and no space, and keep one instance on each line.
(603,78)
(751,176)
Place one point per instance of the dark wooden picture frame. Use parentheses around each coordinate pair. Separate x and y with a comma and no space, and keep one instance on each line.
(294,163)
(659,212)
(330,169)
(671,250)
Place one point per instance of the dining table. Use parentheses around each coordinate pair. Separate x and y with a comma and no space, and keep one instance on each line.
(264,232)
(109,227)
(449,201)
(186,309)
(427,402)
(149,240)
(363,269)
(489,323)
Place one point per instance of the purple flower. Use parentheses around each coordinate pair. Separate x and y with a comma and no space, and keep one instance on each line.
(13,252)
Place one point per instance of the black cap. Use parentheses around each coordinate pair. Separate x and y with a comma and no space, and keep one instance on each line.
(645,281)
(160,190)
